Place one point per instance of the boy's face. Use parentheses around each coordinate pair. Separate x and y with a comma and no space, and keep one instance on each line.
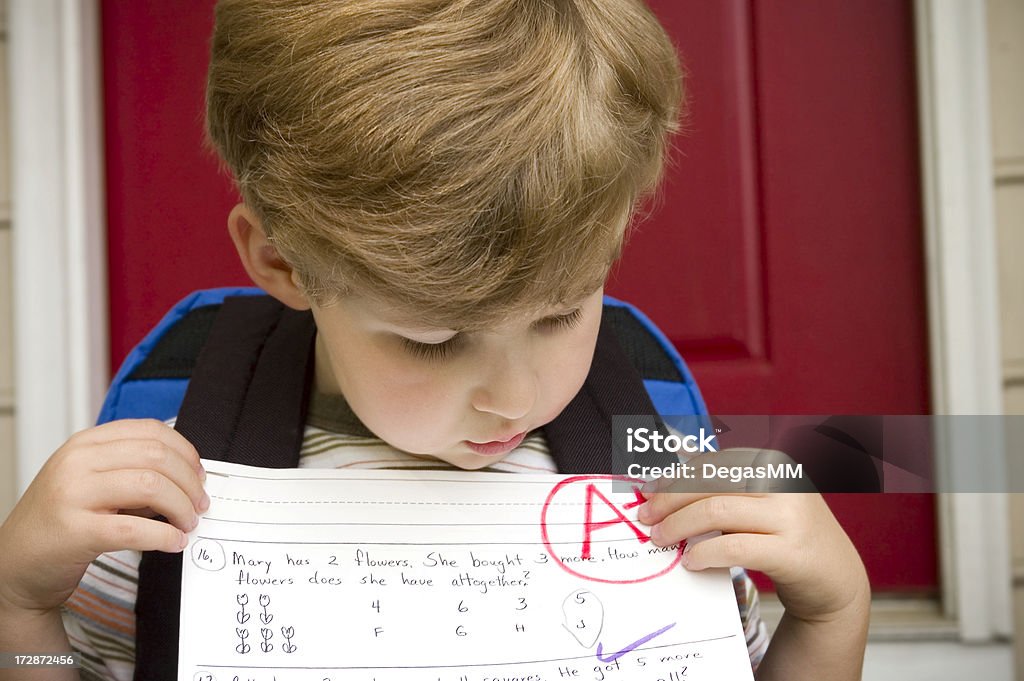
(466,399)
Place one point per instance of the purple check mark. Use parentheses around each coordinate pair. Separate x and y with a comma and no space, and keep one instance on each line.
(632,646)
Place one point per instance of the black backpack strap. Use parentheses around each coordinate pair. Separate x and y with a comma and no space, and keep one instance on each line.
(580,438)
(246,403)
(247,398)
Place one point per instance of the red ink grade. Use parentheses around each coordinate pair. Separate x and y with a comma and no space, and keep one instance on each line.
(576,509)
(589,525)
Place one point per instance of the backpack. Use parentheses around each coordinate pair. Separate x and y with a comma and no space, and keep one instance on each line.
(152,380)
(235,366)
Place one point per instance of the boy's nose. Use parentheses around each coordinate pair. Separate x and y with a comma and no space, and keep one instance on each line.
(509,392)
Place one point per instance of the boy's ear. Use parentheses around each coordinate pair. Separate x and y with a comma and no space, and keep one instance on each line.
(265,266)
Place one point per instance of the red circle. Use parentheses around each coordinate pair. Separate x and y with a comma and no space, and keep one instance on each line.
(551,551)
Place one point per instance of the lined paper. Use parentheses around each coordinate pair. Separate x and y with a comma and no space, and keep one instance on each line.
(302,575)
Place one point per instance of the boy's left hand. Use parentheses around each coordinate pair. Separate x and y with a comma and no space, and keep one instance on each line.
(791,537)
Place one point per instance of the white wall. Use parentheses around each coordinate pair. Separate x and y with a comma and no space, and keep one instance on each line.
(1006,66)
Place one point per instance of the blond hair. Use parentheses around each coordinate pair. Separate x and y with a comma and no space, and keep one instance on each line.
(463,158)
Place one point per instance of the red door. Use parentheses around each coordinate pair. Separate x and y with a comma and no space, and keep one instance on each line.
(784,259)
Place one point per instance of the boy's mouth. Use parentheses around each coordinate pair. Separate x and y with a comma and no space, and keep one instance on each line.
(496,447)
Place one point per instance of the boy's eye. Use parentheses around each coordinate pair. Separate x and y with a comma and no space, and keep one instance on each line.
(445,349)
(565,321)
(432,351)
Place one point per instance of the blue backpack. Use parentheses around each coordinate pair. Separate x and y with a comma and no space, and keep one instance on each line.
(152,380)
(236,367)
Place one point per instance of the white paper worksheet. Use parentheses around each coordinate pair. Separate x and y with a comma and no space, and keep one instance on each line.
(309,575)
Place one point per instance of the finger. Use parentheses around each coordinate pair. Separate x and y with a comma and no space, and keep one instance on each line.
(661,505)
(140,512)
(120,532)
(725,513)
(751,551)
(140,429)
(151,455)
(112,491)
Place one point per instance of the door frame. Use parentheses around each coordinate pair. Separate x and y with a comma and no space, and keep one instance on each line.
(60,289)
(58,224)
(963,307)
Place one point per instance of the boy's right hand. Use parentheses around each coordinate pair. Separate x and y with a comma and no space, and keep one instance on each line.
(99,492)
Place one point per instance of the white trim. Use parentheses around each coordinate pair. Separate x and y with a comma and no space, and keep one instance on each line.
(960,241)
(58,225)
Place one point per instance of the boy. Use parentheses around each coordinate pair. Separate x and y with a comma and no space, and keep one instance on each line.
(444,184)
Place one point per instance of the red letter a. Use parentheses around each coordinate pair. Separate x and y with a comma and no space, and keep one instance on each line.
(589,525)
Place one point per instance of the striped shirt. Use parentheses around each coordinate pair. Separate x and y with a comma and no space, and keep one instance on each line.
(99,618)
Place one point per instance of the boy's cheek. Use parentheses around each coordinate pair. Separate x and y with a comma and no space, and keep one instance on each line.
(410,415)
